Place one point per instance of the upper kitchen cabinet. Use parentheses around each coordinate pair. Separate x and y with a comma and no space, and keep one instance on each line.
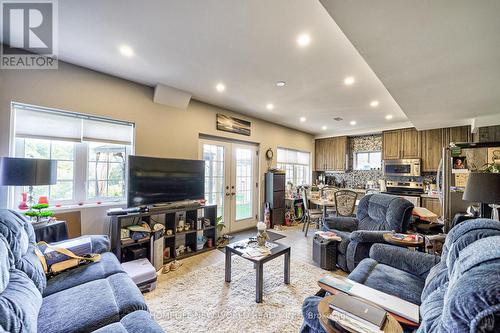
(398,144)
(459,134)
(488,134)
(331,154)
(432,146)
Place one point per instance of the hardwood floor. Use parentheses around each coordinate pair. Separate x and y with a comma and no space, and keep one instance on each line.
(294,237)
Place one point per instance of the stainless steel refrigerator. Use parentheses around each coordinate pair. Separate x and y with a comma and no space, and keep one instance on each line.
(473,157)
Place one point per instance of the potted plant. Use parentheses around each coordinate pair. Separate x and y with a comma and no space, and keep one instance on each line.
(222,240)
(38,213)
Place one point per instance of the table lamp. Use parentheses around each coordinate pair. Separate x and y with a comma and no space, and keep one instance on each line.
(484,187)
(27,172)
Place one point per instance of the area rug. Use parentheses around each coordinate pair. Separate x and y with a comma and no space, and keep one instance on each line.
(200,301)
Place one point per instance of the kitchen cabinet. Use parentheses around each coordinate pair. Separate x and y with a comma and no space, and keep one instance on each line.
(432,148)
(431,204)
(403,143)
(390,145)
(330,154)
(458,134)
(488,134)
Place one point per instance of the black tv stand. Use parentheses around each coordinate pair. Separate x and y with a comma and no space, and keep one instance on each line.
(168,217)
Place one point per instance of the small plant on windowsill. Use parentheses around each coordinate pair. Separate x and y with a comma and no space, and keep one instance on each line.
(38,214)
(222,240)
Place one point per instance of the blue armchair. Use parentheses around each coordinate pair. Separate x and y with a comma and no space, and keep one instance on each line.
(459,292)
(376,215)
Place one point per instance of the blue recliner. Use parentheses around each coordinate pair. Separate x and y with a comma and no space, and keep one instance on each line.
(376,215)
(98,296)
(457,292)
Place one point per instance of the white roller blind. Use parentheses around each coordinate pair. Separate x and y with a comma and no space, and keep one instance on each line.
(44,125)
(102,131)
(293,156)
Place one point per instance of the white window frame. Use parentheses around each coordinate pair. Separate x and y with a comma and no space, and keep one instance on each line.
(80,166)
(369,152)
(284,165)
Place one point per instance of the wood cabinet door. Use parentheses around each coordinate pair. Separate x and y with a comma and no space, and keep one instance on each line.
(459,134)
(432,204)
(391,145)
(340,155)
(410,143)
(432,145)
(319,154)
(330,155)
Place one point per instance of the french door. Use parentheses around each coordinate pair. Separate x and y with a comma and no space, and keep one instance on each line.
(231,181)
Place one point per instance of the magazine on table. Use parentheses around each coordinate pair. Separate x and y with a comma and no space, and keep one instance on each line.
(351,324)
(358,309)
(388,302)
(328,235)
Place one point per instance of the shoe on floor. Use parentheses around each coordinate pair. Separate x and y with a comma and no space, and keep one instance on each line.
(175,265)
(166,269)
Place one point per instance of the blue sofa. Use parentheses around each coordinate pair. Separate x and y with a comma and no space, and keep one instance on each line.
(459,292)
(376,215)
(96,297)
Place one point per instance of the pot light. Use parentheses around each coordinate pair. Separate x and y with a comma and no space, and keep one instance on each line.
(270,106)
(303,40)
(280,84)
(374,104)
(126,51)
(352,123)
(303,119)
(349,80)
(220,87)
(324,128)
(388,117)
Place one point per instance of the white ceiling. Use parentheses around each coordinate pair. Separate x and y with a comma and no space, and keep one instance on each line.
(248,45)
(440,60)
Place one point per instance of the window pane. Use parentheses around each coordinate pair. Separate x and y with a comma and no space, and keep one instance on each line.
(63,190)
(376,160)
(34,148)
(116,171)
(62,150)
(116,189)
(64,170)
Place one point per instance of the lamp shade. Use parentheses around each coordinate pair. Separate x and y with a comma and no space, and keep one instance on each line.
(27,171)
(483,187)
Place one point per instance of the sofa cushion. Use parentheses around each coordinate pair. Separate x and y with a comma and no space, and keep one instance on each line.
(383,212)
(20,236)
(91,305)
(17,314)
(135,322)
(388,280)
(108,265)
(346,238)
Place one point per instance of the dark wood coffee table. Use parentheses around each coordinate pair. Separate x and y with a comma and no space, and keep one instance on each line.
(277,251)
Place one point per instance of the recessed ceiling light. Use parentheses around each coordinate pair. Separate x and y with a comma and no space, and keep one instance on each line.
(349,80)
(220,87)
(352,123)
(324,128)
(302,119)
(270,106)
(303,40)
(374,104)
(280,84)
(388,117)
(126,51)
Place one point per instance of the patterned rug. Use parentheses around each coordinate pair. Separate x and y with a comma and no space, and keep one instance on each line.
(200,301)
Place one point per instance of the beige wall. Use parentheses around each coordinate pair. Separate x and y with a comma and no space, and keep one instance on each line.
(160,131)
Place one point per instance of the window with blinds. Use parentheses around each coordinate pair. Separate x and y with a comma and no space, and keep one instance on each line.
(91,153)
(297,165)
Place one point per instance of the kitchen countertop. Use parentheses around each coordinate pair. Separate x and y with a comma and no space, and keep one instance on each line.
(430,196)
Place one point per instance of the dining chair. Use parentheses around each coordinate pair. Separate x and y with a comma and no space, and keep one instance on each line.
(310,215)
(345,202)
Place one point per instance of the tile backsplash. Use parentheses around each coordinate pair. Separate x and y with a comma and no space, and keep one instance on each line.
(358,178)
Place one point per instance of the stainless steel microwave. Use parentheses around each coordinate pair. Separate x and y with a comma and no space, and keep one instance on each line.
(405,167)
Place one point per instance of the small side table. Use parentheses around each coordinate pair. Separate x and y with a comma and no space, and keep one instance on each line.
(51,231)
(418,243)
(391,324)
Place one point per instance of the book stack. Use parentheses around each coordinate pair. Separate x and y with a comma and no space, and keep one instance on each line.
(327,235)
(355,314)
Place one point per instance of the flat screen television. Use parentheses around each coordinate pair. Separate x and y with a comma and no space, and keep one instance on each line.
(161,180)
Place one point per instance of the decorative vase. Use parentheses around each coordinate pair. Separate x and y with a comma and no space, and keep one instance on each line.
(261,234)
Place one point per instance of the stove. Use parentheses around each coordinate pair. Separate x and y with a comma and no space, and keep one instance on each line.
(408,190)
